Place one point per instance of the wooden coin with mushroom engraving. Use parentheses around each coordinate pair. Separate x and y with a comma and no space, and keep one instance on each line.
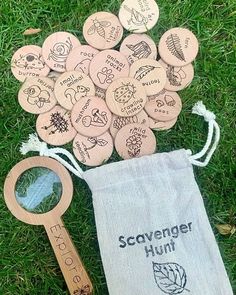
(91,117)
(135,140)
(27,62)
(102,30)
(36,95)
(56,49)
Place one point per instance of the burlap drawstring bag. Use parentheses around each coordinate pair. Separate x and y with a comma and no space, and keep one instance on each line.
(152,227)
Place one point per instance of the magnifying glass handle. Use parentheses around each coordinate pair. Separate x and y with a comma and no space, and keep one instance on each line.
(75,275)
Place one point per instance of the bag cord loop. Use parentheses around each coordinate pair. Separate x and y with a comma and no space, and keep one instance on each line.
(213,130)
(35,145)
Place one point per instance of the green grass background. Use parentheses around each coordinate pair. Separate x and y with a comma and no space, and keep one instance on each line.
(27,263)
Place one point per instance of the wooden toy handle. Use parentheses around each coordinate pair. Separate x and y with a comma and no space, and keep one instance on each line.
(75,275)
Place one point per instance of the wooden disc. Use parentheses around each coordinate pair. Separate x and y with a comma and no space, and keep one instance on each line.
(178,47)
(178,78)
(36,95)
(80,57)
(102,30)
(93,151)
(54,127)
(161,125)
(91,117)
(118,122)
(126,97)
(108,66)
(137,46)
(99,92)
(164,107)
(139,16)
(54,75)
(150,73)
(135,140)
(71,87)
(56,49)
(27,62)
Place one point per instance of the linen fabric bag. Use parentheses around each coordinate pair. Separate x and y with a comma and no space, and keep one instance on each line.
(153,230)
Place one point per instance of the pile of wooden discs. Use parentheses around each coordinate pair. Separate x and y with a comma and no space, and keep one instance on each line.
(94,95)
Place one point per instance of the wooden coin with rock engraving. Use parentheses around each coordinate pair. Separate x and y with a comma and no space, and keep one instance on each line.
(126,97)
(54,127)
(93,151)
(165,106)
(135,140)
(56,49)
(71,87)
(36,95)
(178,47)
(80,57)
(91,117)
(27,62)
(150,74)
(102,30)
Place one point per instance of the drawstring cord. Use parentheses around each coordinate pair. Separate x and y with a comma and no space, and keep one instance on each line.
(35,145)
(213,129)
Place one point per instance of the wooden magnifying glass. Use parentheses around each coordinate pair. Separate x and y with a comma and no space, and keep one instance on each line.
(75,275)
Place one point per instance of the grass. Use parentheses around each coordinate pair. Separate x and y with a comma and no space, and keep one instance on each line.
(27,263)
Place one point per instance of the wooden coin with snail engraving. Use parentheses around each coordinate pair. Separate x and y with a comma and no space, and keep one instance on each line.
(56,49)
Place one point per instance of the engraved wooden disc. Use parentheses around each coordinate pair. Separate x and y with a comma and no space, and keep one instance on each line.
(91,117)
(108,66)
(137,46)
(164,107)
(27,62)
(139,16)
(150,73)
(102,30)
(178,47)
(119,122)
(178,78)
(93,151)
(71,87)
(99,92)
(126,97)
(56,49)
(36,95)
(161,125)
(135,140)
(80,57)
(54,127)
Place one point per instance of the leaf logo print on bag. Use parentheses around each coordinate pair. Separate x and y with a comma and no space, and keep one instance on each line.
(171,278)
(174,45)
